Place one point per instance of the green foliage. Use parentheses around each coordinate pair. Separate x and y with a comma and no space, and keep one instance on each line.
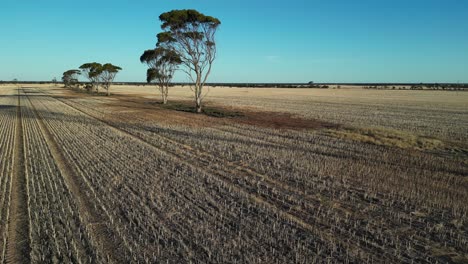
(190,34)
(160,56)
(165,37)
(180,19)
(151,74)
(193,35)
(91,71)
(98,73)
(107,75)
(108,67)
(70,77)
(162,63)
(72,72)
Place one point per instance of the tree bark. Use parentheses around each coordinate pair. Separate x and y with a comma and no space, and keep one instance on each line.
(198,91)
(198,104)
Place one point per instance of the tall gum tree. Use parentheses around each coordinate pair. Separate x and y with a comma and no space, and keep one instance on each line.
(191,35)
(107,75)
(162,64)
(92,72)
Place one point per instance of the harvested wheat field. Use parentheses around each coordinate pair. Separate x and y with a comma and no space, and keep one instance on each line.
(279,176)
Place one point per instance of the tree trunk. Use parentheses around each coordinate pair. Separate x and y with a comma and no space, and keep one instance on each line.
(198,104)
(164,92)
(198,92)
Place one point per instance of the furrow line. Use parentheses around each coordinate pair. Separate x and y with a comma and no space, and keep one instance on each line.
(201,158)
(260,201)
(18,244)
(93,220)
(228,167)
(7,146)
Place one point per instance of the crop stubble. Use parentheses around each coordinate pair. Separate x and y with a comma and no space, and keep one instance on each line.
(149,187)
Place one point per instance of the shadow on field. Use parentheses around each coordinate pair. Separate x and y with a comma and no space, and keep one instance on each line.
(211,112)
(246,116)
(28,112)
(6,107)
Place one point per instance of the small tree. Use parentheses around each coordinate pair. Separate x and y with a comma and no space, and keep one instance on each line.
(54,81)
(92,72)
(162,63)
(70,78)
(107,75)
(191,35)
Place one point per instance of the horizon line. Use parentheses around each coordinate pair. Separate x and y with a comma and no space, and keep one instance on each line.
(256,83)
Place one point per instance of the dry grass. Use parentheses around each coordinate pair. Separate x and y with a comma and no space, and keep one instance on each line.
(388,137)
(433,114)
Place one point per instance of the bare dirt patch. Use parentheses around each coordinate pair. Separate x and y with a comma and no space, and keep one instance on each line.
(184,111)
(216,114)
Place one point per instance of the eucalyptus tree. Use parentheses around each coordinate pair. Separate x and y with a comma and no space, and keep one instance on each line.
(70,77)
(191,35)
(162,64)
(107,75)
(92,72)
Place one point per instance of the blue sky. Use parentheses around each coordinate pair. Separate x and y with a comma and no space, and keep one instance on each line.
(259,40)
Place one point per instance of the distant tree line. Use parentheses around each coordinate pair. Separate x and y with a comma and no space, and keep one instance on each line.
(271,85)
(421,86)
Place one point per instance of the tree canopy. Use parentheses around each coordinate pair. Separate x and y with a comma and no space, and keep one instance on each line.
(181,19)
(190,34)
(91,71)
(162,63)
(107,75)
(98,74)
(70,77)
(159,56)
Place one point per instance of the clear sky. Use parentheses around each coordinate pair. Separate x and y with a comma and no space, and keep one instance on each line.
(259,40)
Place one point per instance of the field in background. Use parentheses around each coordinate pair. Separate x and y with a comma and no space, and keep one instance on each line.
(430,113)
(280,176)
